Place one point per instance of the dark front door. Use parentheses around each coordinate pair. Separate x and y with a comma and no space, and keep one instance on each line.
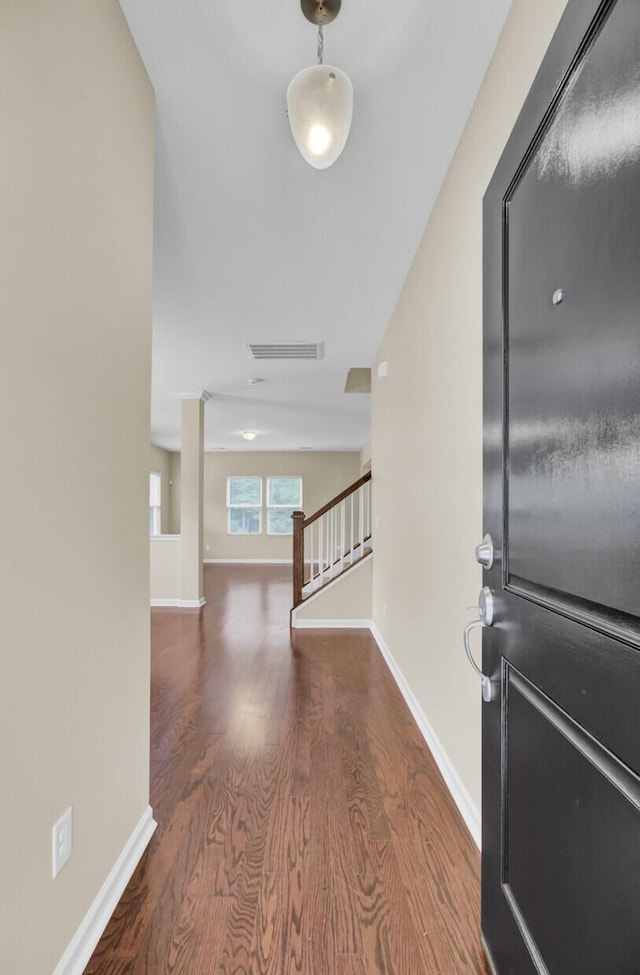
(561,738)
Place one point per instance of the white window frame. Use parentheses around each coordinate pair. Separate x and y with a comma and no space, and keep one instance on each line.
(275,507)
(155,510)
(255,507)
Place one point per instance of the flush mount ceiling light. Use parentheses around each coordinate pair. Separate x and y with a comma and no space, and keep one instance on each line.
(249,434)
(320,98)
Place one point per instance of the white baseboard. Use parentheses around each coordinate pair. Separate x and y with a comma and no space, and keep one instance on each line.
(298,624)
(84,941)
(248,561)
(468,809)
(180,603)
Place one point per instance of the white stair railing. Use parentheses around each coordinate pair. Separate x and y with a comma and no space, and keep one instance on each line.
(332,539)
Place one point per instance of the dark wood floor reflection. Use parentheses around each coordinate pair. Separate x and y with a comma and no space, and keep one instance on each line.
(303,826)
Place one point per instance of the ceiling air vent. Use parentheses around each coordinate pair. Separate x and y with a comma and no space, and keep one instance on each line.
(286,350)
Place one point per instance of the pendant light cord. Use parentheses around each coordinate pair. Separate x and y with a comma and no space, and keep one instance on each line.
(320,45)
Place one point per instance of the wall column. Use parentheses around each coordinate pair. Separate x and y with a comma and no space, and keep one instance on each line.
(191,500)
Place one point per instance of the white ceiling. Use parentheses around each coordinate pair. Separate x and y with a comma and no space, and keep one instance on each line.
(252,244)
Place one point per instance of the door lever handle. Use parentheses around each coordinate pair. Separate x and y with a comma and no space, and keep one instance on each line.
(485,619)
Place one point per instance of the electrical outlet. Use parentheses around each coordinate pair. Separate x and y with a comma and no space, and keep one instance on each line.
(61,842)
(207,548)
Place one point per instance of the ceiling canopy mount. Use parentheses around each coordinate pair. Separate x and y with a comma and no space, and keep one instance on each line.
(320,12)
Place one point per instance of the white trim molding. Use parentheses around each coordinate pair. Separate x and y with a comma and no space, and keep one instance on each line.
(84,941)
(165,538)
(467,807)
(180,603)
(203,394)
(330,624)
(248,561)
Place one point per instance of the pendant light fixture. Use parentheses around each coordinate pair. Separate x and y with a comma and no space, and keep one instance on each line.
(320,98)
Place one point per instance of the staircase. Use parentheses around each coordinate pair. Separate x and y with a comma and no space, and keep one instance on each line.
(331,541)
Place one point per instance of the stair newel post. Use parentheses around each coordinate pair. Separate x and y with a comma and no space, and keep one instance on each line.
(298,556)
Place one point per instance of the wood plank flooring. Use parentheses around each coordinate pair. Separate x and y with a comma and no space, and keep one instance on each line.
(303,826)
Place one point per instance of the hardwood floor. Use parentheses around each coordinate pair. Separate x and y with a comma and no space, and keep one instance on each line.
(303,826)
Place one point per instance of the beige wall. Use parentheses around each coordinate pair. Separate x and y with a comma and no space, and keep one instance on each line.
(323,476)
(365,458)
(161,463)
(348,598)
(175,495)
(165,568)
(192,494)
(76,171)
(427,416)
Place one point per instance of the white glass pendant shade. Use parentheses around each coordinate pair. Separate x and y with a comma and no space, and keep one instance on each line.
(320,108)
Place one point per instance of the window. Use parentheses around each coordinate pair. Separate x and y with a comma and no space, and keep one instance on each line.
(245,502)
(284,496)
(155,502)
(244,505)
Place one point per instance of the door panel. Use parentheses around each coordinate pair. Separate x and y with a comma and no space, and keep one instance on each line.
(561,749)
(571,856)
(573,367)
(572,664)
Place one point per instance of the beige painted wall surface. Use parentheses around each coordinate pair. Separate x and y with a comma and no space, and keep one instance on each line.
(365,458)
(323,476)
(76,196)
(161,463)
(165,564)
(192,505)
(175,495)
(349,598)
(428,472)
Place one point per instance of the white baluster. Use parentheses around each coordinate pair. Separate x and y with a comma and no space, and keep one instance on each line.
(335,538)
(361,520)
(352,528)
(328,537)
(368,525)
(311,558)
(343,509)
(364,512)
(332,542)
(320,552)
